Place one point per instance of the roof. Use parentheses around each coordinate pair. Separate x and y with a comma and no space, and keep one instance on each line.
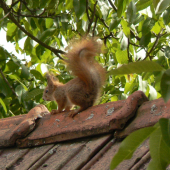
(39,140)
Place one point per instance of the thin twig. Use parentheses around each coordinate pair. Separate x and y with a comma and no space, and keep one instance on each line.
(92,18)
(101,19)
(87,6)
(154,45)
(134,44)
(36,16)
(32,11)
(113,6)
(128,53)
(5,16)
(132,34)
(94,27)
(10,16)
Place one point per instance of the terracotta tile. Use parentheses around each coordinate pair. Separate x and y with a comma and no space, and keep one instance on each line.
(95,120)
(99,156)
(11,122)
(92,147)
(78,153)
(31,157)
(71,155)
(140,152)
(11,156)
(89,153)
(20,126)
(143,162)
(105,160)
(148,114)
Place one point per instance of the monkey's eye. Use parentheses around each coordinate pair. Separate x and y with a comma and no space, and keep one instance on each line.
(46,91)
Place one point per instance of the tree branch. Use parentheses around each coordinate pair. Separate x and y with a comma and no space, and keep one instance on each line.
(6,15)
(87,6)
(128,53)
(10,16)
(113,6)
(155,44)
(92,18)
(9,11)
(32,11)
(94,27)
(5,79)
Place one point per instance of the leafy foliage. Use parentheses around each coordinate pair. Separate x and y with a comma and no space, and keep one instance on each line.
(158,142)
(136,36)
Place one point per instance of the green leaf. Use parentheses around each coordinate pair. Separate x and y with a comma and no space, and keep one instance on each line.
(3,105)
(32,23)
(17,79)
(114,22)
(138,19)
(47,34)
(165,85)
(142,4)
(147,25)
(121,7)
(11,67)
(52,4)
(160,6)
(167,51)
(31,94)
(28,45)
(155,3)
(51,105)
(137,67)
(24,72)
(27,26)
(35,4)
(156,28)
(153,165)
(11,29)
(37,75)
(69,4)
(5,88)
(3,57)
(126,28)
(121,56)
(145,39)
(104,8)
(166,16)
(79,7)
(39,50)
(131,12)
(165,129)
(20,91)
(159,151)
(129,86)
(48,22)
(43,3)
(124,44)
(3,54)
(130,144)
